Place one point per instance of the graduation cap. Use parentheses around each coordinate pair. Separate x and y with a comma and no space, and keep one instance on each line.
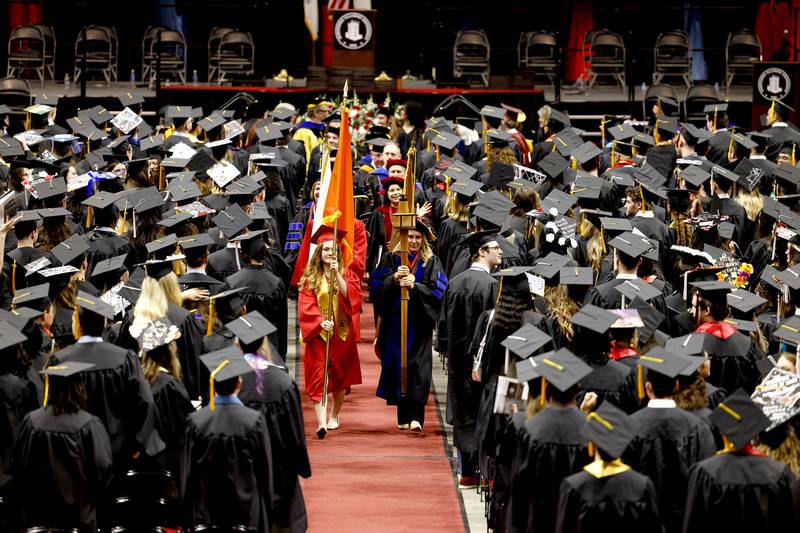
(695,175)
(749,174)
(514,279)
(690,345)
(562,369)
(498,137)
(283,112)
(594,318)
(232,220)
(693,134)
(198,279)
(667,126)
(157,333)
(586,152)
(553,164)
(494,112)
(788,330)
(70,249)
(224,364)
(622,132)
(663,362)
(493,207)
(650,317)
(183,112)
(720,107)
(637,288)
(745,325)
(610,429)
(149,143)
(97,114)
(445,140)
(630,244)
(130,98)
(566,141)
(744,301)
(626,319)
(10,147)
(550,266)
(622,225)
(713,290)
(559,201)
(642,141)
(574,275)
(64,370)
(215,120)
(466,188)
(526,370)
(558,117)
(267,131)
(158,268)
(49,188)
(475,241)
(526,340)
(739,418)
(251,327)
(173,221)
(91,303)
(192,242)
(36,297)
(587,187)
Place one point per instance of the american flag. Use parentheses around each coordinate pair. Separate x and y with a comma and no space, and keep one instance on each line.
(338,4)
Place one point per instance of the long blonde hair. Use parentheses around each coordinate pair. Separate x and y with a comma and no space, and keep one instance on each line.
(752,202)
(315,270)
(561,307)
(425,251)
(455,210)
(151,305)
(169,284)
(594,243)
(787,453)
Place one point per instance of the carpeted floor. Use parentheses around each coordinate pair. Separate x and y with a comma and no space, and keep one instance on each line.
(369,476)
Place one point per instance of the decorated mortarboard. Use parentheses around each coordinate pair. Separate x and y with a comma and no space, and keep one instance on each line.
(91,303)
(553,164)
(594,318)
(39,109)
(251,327)
(664,362)
(610,429)
(71,248)
(232,220)
(626,319)
(739,419)
(526,341)
(749,174)
(574,275)
(155,334)
(562,368)
(777,394)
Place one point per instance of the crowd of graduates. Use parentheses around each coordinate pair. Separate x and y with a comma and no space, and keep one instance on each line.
(617,319)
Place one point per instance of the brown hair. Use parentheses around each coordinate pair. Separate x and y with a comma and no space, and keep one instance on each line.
(315,270)
(162,357)
(692,397)
(561,307)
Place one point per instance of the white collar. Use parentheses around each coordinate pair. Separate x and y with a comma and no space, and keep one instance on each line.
(780,125)
(232,244)
(626,276)
(645,214)
(661,403)
(87,338)
(480,266)
(723,195)
(757,156)
(200,270)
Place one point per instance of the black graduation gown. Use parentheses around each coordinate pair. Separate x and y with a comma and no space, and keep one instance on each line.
(266,293)
(733,371)
(615,382)
(450,234)
(717,152)
(105,244)
(550,449)
(62,467)
(119,396)
(17,398)
(605,296)
(278,400)
(296,171)
(424,307)
(778,136)
(468,295)
(62,327)
(376,243)
(222,264)
(667,443)
(733,492)
(227,472)
(280,210)
(743,228)
(624,502)
(662,158)
(173,405)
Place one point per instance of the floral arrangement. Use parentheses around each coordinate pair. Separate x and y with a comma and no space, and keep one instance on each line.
(740,278)
(362,114)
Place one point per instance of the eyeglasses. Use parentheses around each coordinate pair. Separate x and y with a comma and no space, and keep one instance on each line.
(495,247)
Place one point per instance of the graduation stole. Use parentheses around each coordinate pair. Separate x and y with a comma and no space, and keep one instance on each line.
(324,294)
(601,469)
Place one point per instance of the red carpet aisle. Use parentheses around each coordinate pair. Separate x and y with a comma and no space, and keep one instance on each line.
(367,475)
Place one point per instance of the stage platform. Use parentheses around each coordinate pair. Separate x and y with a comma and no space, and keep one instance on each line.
(585,107)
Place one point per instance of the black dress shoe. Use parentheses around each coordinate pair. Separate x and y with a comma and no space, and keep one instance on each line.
(321,432)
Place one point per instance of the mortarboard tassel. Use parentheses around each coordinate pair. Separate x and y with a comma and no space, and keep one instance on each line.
(177,264)
(499,290)
(730,145)
(428,148)
(603,240)
(641,197)
(14,277)
(771,114)
(161,178)
(656,137)
(210,327)
(591,449)
(543,392)
(89,217)
(727,446)
(639,382)
(613,153)
(222,365)
(794,160)
(124,219)
(438,152)
(46,389)
(715,120)
(574,164)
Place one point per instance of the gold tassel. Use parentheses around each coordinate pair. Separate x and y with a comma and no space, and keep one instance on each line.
(222,365)
(177,264)
(428,149)
(794,160)
(14,277)
(603,240)
(641,197)
(771,114)
(499,290)
(46,389)
(591,449)
(730,145)
(210,327)
(656,137)
(715,120)
(613,153)
(639,382)
(543,392)
(574,164)
(89,217)
(438,152)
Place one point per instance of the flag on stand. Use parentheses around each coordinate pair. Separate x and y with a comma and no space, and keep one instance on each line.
(311,15)
(336,195)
